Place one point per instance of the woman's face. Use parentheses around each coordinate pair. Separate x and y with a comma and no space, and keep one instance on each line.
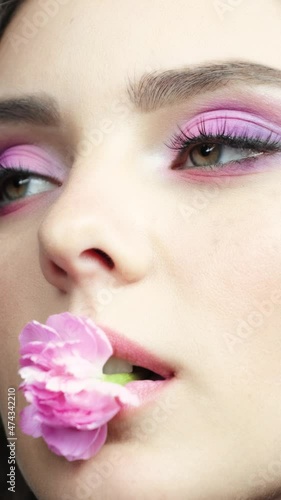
(178,251)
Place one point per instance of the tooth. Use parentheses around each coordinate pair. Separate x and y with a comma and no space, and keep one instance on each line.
(117,365)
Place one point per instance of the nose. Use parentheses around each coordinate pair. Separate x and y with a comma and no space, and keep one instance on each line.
(94,231)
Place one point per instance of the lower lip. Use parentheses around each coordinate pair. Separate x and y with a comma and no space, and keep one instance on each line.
(146,390)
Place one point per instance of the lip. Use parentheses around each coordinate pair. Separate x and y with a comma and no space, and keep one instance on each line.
(146,391)
(135,354)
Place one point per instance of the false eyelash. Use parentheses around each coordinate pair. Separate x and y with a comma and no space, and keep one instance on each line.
(182,141)
(6,172)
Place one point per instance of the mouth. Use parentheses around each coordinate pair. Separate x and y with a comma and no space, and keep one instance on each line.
(118,366)
(141,381)
(130,357)
(143,373)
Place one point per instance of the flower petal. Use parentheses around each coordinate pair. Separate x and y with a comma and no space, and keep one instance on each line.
(29,421)
(94,344)
(35,331)
(74,444)
(70,405)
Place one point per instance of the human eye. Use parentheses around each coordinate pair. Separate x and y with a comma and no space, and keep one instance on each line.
(224,142)
(24,172)
(17,183)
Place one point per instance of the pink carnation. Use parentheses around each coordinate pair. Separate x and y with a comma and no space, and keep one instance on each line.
(70,405)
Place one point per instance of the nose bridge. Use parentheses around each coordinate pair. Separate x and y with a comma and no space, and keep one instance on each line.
(95,226)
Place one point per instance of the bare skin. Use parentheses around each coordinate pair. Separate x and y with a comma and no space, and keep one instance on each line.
(185,264)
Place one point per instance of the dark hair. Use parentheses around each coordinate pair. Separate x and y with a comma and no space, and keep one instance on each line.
(7,9)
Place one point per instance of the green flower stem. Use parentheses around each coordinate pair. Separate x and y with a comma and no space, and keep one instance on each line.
(120,378)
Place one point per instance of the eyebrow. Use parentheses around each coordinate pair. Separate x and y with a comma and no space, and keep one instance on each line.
(159,89)
(151,92)
(38,109)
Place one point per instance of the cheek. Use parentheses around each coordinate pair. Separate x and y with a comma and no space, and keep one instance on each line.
(225,262)
(245,253)
(22,281)
(229,240)
(24,293)
(15,289)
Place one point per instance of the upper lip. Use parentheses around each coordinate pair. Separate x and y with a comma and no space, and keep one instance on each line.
(135,354)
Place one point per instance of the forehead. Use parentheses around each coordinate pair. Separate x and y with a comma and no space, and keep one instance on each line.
(90,47)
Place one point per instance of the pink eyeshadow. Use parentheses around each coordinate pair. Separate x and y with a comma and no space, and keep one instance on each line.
(232,122)
(32,158)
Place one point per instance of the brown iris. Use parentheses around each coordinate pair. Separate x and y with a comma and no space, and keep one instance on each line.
(205,154)
(14,188)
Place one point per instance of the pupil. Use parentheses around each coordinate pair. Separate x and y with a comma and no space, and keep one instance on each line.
(16,187)
(205,155)
(206,149)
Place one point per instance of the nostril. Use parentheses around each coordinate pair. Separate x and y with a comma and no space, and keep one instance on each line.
(58,270)
(101,255)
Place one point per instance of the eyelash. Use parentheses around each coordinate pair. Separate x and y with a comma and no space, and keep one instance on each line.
(12,172)
(182,142)
(20,171)
(5,172)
